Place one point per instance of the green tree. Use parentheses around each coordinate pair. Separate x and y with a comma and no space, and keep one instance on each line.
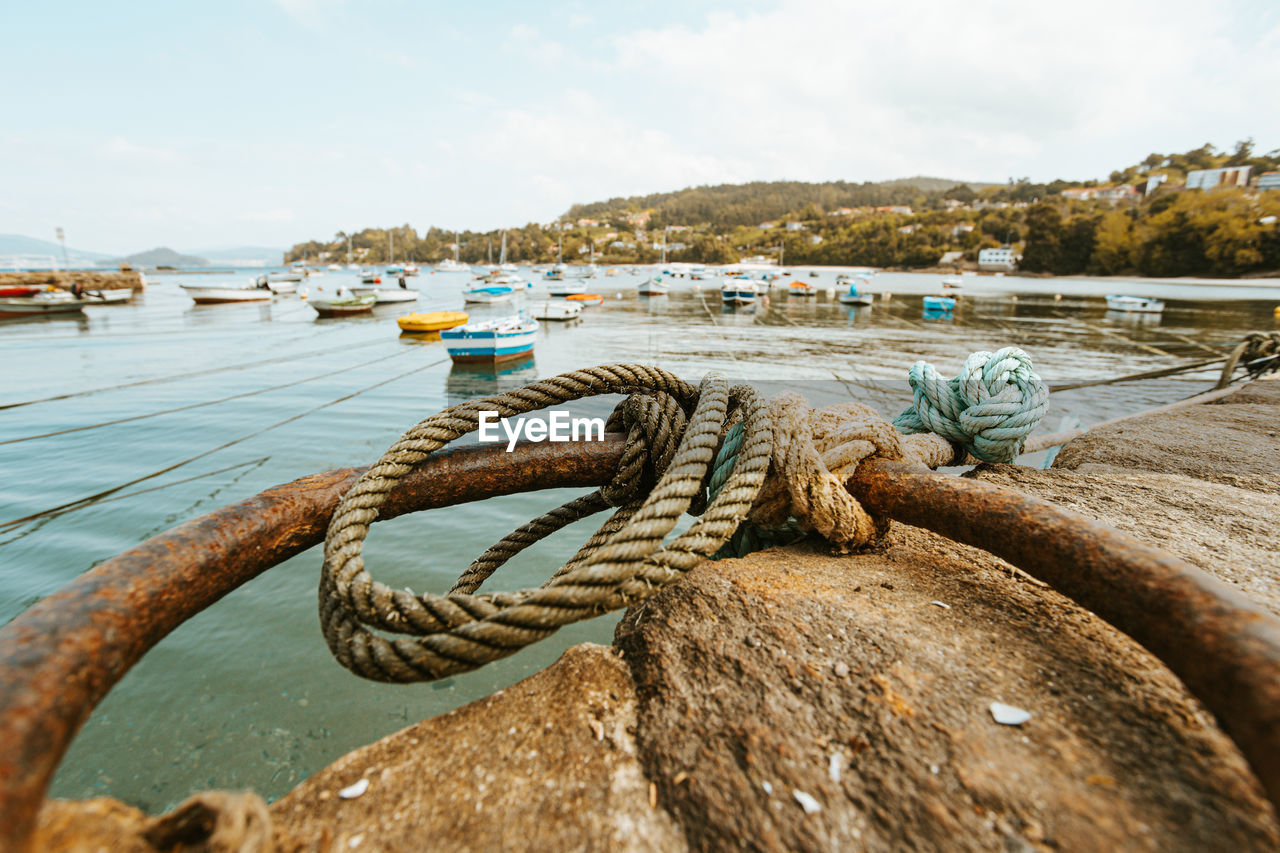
(1045,234)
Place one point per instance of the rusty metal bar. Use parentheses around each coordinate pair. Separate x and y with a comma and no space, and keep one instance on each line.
(1225,648)
(62,656)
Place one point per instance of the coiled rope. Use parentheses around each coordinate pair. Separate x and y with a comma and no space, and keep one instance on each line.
(704,450)
(1256,347)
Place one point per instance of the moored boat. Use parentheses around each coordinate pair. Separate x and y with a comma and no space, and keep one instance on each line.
(853,295)
(586,298)
(739,291)
(656,286)
(20,290)
(939,303)
(452,265)
(433,321)
(558,309)
(567,287)
(1140,304)
(344,304)
(493,341)
(487,295)
(802,288)
(952,284)
(45,302)
(384,295)
(207,295)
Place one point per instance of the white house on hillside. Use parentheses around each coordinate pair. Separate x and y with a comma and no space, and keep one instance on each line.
(997,259)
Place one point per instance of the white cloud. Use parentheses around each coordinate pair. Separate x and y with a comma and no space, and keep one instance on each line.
(980,89)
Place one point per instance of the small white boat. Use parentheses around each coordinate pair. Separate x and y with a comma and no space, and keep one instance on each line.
(384,295)
(410,269)
(370,277)
(112,296)
(1140,304)
(280,287)
(452,265)
(952,284)
(502,278)
(487,295)
(802,288)
(557,273)
(738,291)
(343,304)
(204,295)
(490,342)
(567,287)
(294,276)
(558,310)
(853,295)
(656,286)
(45,302)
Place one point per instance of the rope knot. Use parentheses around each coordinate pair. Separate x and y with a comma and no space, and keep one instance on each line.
(815,452)
(989,408)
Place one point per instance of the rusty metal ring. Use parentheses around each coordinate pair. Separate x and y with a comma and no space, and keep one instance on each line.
(61,657)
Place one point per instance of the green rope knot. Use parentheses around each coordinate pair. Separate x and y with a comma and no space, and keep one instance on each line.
(989,408)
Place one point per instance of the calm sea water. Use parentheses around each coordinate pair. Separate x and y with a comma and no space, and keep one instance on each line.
(246,695)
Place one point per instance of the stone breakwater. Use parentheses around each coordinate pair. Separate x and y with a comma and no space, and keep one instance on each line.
(90,280)
(792,700)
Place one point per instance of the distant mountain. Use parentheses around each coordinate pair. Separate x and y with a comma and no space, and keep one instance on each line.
(243,256)
(161,257)
(34,248)
(933,185)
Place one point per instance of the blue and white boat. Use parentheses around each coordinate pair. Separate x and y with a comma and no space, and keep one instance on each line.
(739,291)
(492,341)
(939,303)
(481,292)
(853,295)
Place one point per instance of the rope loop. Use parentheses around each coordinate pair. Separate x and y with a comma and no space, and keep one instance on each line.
(989,409)
(626,561)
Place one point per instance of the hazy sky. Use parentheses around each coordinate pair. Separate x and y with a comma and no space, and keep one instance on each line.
(267,122)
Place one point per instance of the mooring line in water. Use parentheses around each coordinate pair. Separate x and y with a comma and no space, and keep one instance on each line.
(91,500)
(207,372)
(47,518)
(203,404)
(1134,377)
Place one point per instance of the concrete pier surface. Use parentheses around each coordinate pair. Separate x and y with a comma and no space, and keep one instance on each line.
(89,279)
(793,700)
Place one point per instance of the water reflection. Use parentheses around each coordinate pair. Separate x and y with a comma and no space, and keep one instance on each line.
(468,381)
(1133,318)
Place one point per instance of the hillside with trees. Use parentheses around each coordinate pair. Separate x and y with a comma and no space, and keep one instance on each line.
(1146,224)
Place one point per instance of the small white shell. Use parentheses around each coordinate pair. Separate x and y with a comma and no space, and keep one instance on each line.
(1007,715)
(808,803)
(353,791)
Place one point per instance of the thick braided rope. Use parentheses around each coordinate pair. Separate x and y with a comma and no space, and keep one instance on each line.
(1254,346)
(989,408)
(622,564)
(655,424)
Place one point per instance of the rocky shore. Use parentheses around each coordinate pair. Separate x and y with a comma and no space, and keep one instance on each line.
(792,700)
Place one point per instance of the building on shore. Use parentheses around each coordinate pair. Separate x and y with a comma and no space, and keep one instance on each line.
(1001,260)
(1211,179)
(1269,181)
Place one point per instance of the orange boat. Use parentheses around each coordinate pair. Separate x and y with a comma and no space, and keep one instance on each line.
(586,298)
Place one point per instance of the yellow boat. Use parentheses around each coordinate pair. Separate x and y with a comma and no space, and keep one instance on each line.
(432,322)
